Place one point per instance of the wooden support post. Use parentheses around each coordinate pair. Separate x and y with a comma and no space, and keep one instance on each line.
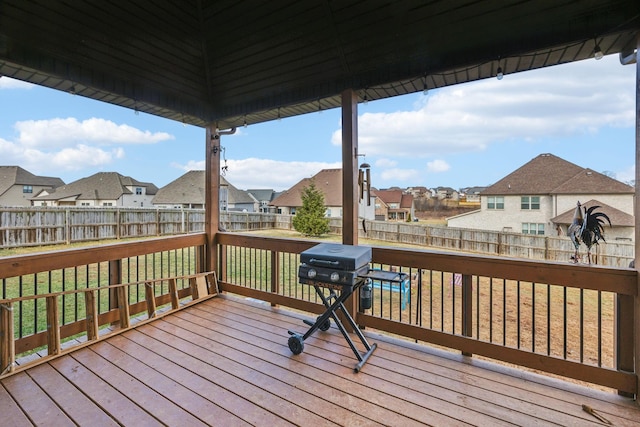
(349,167)
(53,326)
(7,343)
(123,306)
(636,323)
(212,194)
(150,297)
(173,293)
(349,181)
(91,311)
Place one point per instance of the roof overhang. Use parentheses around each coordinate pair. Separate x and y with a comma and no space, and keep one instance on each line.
(234,62)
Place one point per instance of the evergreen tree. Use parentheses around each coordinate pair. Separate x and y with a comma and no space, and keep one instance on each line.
(310,218)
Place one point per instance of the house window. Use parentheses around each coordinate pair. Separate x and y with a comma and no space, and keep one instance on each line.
(532,228)
(107,204)
(27,189)
(530,202)
(138,190)
(85,204)
(495,202)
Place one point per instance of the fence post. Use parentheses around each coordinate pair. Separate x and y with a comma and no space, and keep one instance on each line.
(158,222)
(546,247)
(118,224)
(67,225)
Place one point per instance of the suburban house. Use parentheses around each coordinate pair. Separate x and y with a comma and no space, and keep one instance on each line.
(419,191)
(329,182)
(187,192)
(394,205)
(449,193)
(471,196)
(101,189)
(264,198)
(541,196)
(17,185)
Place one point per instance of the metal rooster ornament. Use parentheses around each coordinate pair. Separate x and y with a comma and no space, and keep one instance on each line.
(587,227)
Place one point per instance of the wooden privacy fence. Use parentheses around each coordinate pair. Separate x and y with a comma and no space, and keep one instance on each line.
(38,226)
(536,247)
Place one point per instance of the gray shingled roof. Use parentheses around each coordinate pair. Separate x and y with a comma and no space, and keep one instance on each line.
(100,186)
(15,175)
(549,174)
(189,189)
(617,217)
(186,189)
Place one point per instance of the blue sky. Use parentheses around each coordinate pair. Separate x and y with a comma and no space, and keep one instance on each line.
(466,135)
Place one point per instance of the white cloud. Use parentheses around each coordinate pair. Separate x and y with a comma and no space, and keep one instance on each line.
(192,165)
(386,163)
(9,83)
(562,101)
(626,175)
(58,145)
(65,132)
(265,173)
(66,159)
(436,166)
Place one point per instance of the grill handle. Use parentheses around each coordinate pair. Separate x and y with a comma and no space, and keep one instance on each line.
(324,261)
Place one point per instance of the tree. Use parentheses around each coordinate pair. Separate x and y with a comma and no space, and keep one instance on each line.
(310,218)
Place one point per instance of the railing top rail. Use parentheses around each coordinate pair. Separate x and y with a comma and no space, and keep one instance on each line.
(18,265)
(610,279)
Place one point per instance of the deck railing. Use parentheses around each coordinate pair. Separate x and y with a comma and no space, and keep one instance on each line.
(570,320)
(65,284)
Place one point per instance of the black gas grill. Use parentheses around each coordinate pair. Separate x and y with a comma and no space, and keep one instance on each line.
(342,269)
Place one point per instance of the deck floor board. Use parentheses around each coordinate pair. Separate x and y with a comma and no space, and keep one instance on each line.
(226,361)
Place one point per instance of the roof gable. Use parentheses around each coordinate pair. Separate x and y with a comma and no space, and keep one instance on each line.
(15,175)
(190,189)
(617,217)
(549,174)
(588,181)
(390,196)
(540,175)
(327,181)
(100,186)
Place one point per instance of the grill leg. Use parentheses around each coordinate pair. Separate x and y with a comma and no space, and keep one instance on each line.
(296,341)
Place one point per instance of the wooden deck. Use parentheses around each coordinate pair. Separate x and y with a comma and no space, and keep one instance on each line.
(226,362)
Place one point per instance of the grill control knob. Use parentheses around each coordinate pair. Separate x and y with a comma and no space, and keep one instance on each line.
(311,273)
(335,276)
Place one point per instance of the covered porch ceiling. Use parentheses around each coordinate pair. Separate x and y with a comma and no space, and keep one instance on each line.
(242,62)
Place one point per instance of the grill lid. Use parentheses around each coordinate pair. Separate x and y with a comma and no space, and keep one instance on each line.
(337,256)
